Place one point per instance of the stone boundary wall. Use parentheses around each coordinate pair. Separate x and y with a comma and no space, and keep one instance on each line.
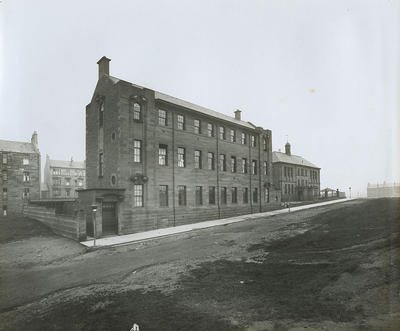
(66,226)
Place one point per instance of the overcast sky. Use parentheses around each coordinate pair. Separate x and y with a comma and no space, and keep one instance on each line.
(325,73)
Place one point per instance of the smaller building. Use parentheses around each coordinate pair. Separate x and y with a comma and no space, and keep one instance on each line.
(385,190)
(297,178)
(20,174)
(63,178)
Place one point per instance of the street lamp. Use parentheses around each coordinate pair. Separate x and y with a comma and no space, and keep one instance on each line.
(94,209)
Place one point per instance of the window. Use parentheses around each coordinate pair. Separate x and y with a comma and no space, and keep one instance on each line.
(199,195)
(253,141)
(138,195)
(101,165)
(26,177)
(211,195)
(243,138)
(221,133)
(163,155)
(265,144)
(67,181)
(113,136)
(197,126)
(57,171)
(113,180)
(234,194)
(266,194)
(197,159)
(233,136)
(233,163)
(101,114)
(25,194)
(181,157)
(80,182)
(5,177)
(223,196)
(245,195)
(56,191)
(163,195)
(286,190)
(137,150)
(137,112)
(255,195)
(162,117)
(57,181)
(265,168)
(210,161)
(181,195)
(4,210)
(244,166)
(222,162)
(25,161)
(254,167)
(210,130)
(5,193)
(181,122)
(67,192)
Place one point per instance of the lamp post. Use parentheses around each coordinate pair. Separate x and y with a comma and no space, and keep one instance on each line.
(94,209)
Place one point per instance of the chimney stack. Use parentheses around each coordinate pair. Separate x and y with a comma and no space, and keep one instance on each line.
(34,139)
(104,66)
(238,115)
(287,149)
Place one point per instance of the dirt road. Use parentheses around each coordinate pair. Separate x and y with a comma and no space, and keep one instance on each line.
(329,267)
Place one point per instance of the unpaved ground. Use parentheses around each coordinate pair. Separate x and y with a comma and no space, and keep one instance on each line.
(332,268)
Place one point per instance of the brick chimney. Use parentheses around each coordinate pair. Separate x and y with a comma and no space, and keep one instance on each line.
(104,66)
(238,115)
(34,139)
(287,149)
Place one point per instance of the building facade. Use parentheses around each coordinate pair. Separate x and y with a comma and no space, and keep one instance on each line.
(297,178)
(20,174)
(156,161)
(385,190)
(62,179)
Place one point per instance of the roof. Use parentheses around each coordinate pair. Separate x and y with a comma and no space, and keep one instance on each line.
(67,164)
(16,146)
(292,159)
(191,106)
(200,109)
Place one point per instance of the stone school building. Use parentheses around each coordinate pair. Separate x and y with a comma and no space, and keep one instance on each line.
(154,161)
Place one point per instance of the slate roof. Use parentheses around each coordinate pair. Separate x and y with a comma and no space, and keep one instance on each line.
(292,159)
(191,106)
(16,146)
(67,164)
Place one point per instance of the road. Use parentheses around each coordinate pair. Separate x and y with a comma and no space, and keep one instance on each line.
(182,281)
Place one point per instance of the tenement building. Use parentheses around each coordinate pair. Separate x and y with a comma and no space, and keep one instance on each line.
(297,178)
(156,161)
(63,178)
(20,174)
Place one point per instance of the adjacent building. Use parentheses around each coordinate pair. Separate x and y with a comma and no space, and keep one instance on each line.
(63,178)
(385,190)
(153,160)
(20,174)
(297,178)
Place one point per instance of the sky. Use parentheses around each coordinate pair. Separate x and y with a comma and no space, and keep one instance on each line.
(323,74)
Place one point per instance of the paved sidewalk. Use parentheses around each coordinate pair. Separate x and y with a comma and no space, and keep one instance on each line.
(130,238)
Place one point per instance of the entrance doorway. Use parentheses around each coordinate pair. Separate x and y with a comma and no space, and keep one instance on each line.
(110,222)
